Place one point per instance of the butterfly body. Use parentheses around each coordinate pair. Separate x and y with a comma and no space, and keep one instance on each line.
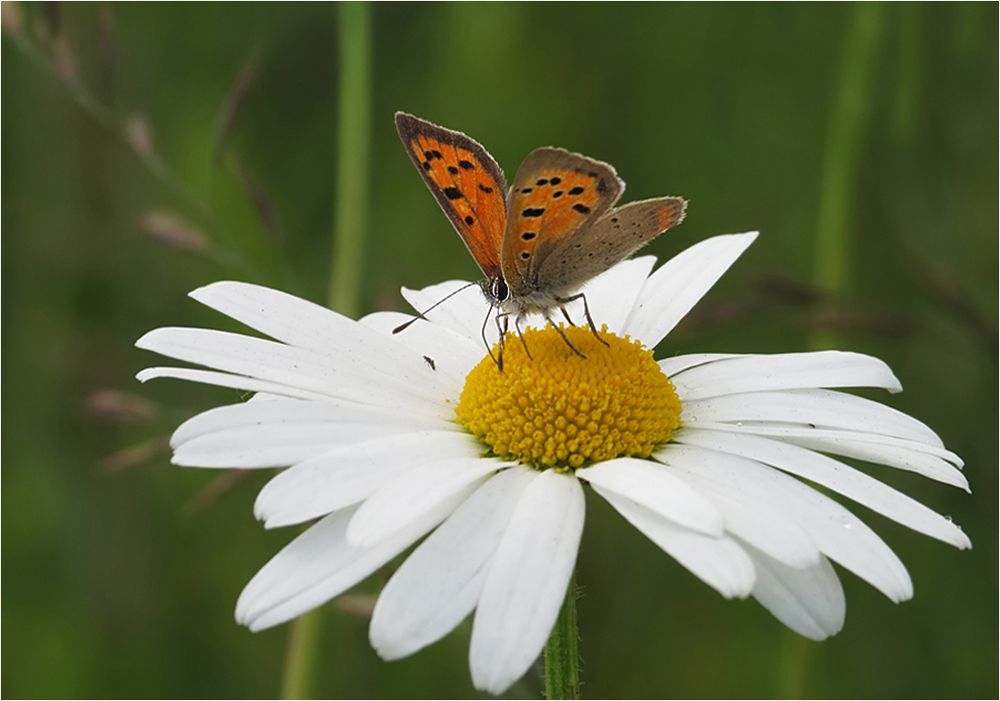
(538,241)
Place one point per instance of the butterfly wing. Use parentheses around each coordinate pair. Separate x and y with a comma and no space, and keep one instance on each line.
(465,180)
(555,195)
(611,239)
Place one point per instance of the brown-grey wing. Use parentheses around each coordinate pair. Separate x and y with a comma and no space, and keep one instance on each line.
(555,195)
(610,240)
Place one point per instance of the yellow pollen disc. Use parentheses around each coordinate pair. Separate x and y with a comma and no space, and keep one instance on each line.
(559,410)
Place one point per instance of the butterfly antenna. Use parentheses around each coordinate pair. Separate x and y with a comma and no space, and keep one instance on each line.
(420,315)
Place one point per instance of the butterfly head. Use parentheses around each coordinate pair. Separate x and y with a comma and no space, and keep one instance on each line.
(496,290)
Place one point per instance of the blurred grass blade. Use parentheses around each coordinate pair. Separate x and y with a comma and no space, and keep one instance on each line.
(349,216)
(845,136)
(351,200)
(231,109)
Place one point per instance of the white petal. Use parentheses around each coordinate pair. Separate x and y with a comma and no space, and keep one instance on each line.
(250,447)
(718,561)
(450,353)
(302,324)
(463,313)
(439,583)
(265,397)
(836,531)
(278,411)
(835,475)
(282,316)
(612,294)
(782,371)
(348,376)
(680,363)
(755,518)
(527,581)
(817,407)
(678,284)
(924,459)
(348,475)
(414,492)
(809,600)
(649,484)
(907,457)
(224,379)
(319,565)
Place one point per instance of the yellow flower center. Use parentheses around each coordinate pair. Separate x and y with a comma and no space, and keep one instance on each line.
(556,409)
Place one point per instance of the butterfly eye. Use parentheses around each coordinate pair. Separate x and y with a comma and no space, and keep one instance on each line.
(499,290)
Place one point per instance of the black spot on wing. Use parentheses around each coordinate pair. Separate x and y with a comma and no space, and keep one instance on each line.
(582,208)
(465,165)
(528,235)
(485,189)
(533,212)
(555,181)
(576,190)
(469,220)
(453,170)
(452,193)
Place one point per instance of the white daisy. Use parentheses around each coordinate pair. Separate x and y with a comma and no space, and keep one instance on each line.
(388,438)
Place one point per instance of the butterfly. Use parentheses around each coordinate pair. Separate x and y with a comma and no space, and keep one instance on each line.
(539,241)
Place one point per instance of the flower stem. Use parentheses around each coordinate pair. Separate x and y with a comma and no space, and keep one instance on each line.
(844,139)
(351,200)
(562,652)
(300,657)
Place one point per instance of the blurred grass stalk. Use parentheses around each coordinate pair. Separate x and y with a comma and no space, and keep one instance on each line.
(350,207)
(351,199)
(845,136)
(849,114)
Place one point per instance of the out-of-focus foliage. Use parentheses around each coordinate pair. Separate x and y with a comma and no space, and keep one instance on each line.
(149,149)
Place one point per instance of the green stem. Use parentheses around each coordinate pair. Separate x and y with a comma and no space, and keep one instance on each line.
(350,207)
(845,137)
(350,203)
(848,119)
(300,657)
(562,651)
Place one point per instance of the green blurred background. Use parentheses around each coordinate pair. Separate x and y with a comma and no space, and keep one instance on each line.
(150,149)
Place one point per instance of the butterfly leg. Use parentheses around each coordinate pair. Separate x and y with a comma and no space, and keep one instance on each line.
(517,327)
(564,336)
(566,316)
(586,312)
(502,330)
(489,348)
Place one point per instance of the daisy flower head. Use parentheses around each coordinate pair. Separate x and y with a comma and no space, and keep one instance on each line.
(418,438)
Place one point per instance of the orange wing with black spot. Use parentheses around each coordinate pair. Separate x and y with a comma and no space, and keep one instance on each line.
(465,180)
(555,195)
